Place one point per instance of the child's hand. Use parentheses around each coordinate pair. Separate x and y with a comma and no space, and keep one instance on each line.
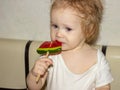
(41,66)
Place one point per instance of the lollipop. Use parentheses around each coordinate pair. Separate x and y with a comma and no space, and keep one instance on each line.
(49,48)
(52,47)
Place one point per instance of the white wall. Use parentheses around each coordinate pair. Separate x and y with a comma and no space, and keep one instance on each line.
(24,19)
(29,19)
(110,33)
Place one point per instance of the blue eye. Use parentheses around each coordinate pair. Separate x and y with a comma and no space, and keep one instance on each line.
(68,29)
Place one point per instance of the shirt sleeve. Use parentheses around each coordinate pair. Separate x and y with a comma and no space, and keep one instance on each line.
(103,76)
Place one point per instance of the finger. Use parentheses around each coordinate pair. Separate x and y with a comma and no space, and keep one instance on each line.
(48,61)
(43,67)
(43,64)
(41,70)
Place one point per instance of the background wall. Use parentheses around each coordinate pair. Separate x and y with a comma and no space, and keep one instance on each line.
(29,19)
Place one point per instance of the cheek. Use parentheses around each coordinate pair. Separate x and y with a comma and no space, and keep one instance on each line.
(77,38)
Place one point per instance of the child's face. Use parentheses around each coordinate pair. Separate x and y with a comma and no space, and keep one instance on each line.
(66,28)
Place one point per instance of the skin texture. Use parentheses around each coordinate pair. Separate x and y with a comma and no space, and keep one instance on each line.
(68,30)
(74,49)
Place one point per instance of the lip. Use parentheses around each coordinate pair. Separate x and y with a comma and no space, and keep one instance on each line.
(58,40)
(62,42)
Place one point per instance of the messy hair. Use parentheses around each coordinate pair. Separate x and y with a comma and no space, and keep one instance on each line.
(90,12)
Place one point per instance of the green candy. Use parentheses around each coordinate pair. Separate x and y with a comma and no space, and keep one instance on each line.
(53,47)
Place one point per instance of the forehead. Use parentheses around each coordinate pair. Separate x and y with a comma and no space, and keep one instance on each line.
(66,16)
(67,12)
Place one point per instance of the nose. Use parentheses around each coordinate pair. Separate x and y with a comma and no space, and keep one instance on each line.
(59,33)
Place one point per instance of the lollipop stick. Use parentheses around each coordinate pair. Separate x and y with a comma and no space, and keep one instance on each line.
(38,77)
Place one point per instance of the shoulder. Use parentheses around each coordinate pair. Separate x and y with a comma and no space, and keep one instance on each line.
(102,62)
(101,56)
(103,75)
(90,54)
(98,54)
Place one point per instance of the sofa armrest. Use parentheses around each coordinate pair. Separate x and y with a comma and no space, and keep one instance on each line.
(12,69)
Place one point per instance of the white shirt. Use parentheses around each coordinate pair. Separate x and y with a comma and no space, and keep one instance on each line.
(61,78)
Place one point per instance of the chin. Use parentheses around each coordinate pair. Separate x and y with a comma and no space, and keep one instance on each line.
(65,49)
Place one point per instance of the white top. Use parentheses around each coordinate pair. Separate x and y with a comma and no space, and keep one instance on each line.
(61,78)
